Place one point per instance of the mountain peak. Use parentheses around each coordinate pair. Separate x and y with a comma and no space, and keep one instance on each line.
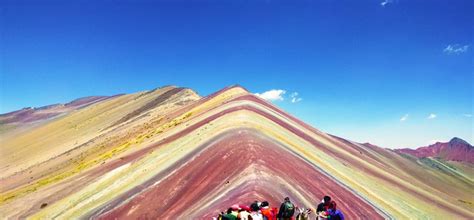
(456,140)
(235,87)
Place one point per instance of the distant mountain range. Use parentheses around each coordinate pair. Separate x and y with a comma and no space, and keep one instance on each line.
(454,150)
(169,153)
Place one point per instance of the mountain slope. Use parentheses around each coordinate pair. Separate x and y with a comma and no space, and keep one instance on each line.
(26,115)
(196,157)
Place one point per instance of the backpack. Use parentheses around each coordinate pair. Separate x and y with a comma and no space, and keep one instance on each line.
(289,210)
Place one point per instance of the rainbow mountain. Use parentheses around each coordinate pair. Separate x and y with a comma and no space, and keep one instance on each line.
(170,154)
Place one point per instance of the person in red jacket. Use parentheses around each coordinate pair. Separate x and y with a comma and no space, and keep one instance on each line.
(267,212)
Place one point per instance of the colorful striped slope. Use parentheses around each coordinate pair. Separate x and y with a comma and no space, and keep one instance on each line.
(170,154)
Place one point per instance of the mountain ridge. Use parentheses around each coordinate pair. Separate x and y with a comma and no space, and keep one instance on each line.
(192,157)
(30,114)
(456,149)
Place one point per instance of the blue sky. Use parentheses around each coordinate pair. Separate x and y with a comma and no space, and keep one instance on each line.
(359,67)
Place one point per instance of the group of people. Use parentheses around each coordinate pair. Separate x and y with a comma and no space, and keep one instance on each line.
(327,209)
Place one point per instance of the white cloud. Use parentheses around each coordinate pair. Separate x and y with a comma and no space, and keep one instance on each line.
(455,49)
(404,118)
(386,2)
(467,115)
(294,97)
(272,95)
(432,116)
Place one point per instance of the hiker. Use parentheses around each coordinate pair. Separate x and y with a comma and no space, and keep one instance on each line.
(333,212)
(323,206)
(255,213)
(287,210)
(267,212)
